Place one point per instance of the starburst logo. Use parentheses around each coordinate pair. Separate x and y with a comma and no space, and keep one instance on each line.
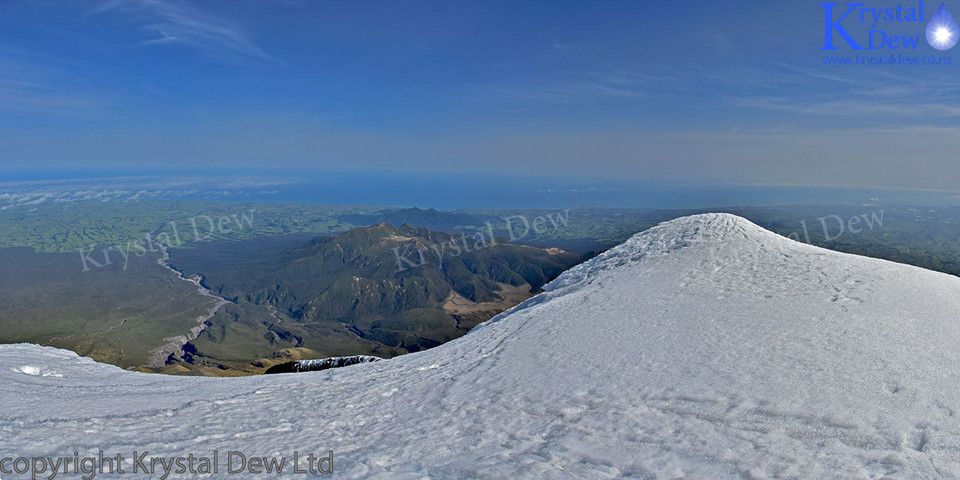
(942,31)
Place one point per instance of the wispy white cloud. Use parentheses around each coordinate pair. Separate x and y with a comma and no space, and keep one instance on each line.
(178,22)
(848,107)
(872,94)
(34,192)
(29,86)
(584,88)
(571,50)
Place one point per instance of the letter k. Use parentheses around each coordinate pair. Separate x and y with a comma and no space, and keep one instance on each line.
(830,27)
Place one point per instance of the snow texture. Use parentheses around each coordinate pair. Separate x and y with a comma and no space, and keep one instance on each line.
(705,347)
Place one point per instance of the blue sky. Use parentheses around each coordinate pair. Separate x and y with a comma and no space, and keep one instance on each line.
(728,92)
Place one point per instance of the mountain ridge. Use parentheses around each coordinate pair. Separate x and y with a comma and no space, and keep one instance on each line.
(378,290)
(705,347)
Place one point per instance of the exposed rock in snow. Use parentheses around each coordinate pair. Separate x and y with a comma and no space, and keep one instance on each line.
(298,366)
(35,371)
(705,347)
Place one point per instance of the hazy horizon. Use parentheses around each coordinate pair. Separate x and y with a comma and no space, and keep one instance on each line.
(439,190)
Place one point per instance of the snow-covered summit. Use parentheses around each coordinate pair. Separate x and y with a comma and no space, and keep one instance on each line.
(705,347)
(708,233)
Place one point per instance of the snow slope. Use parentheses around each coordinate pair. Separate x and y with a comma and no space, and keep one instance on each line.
(705,347)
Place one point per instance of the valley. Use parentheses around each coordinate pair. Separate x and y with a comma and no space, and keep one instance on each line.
(308,282)
(676,353)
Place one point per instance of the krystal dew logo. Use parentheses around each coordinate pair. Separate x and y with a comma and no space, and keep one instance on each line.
(878,28)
